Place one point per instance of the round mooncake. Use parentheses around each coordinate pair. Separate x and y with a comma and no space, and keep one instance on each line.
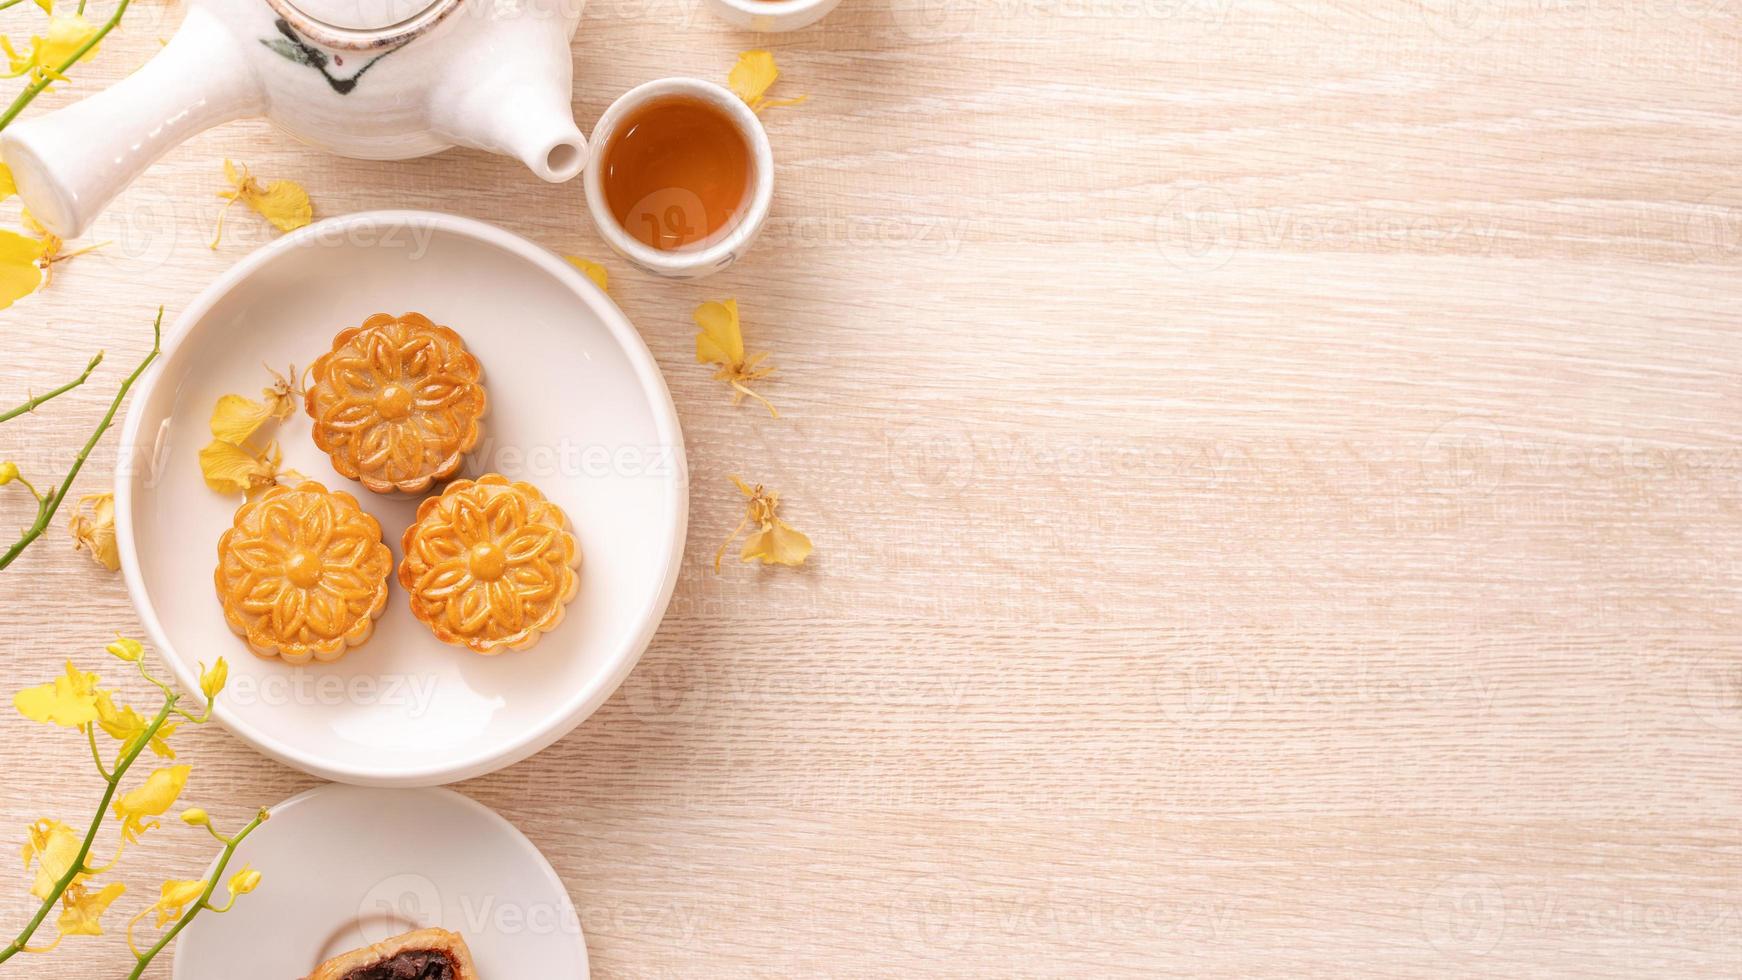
(396,403)
(490,564)
(302,573)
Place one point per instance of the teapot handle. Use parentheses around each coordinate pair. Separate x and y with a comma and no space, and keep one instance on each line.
(69,164)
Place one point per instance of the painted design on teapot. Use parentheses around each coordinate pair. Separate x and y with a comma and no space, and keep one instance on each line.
(292,46)
(436,78)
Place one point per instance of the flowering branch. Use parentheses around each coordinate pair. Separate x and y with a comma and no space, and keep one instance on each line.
(62,861)
(238,885)
(78,866)
(48,503)
(43,78)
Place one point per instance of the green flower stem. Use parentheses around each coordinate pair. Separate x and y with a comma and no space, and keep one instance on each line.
(112,782)
(30,405)
(49,504)
(204,902)
(96,757)
(35,88)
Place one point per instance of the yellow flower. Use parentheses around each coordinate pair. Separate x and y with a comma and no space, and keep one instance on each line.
(126,648)
(282,202)
(8,472)
(212,681)
(50,53)
(153,798)
(175,896)
(244,881)
(594,270)
(19,272)
(49,247)
(7,186)
(195,817)
(227,463)
(53,846)
(721,341)
(235,418)
(229,468)
(752,76)
(81,910)
(68,701)
(127,726)
(96,530)
(773,541)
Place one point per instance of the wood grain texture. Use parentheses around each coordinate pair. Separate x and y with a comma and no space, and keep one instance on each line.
(1274,470)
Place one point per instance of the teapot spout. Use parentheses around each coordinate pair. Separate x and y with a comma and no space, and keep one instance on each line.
(70,163)
(519,108)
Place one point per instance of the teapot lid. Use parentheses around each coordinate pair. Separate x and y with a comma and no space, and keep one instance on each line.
(362,24)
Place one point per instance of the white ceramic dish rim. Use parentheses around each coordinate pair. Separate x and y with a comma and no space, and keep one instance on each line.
(515,834)
(588,698)
(740,235)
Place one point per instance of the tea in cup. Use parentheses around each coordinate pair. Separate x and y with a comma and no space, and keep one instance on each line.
(682,178)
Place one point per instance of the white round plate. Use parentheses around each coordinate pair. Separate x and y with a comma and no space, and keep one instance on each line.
(342,867)
(577,408)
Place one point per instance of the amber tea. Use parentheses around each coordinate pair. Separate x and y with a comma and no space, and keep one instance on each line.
(676,171)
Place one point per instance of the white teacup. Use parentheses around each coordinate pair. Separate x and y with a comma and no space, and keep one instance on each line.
(721,248)
(773,16)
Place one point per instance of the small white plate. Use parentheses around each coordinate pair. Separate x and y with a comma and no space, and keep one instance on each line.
(342,867)
(577,408)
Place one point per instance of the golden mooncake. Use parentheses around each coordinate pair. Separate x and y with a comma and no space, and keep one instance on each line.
(427,954)
(302,573)
(490,564)
(396,403)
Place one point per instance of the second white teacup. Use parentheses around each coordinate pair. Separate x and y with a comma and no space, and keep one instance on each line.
(773,16)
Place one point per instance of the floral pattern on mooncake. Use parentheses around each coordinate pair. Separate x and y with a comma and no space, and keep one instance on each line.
(490,564)
(302,573)
(396,403)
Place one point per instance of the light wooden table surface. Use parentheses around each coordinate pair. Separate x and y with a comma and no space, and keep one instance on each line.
(1274,469)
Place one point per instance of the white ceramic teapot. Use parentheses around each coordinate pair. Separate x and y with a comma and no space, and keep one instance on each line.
(375,79)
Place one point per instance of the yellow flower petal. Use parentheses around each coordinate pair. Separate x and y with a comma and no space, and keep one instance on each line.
(82,910)
(68,701)
(751,78)
(777,544)
(235,418)
(66,32)
(7,186)
(774,541)
(53,846)
(721,340)
(752,75)
(127,726)
(594,270)
(284,203)
(50,52)
(19,273)
(174,896)
(153,798)
(96,530)
(232,469)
